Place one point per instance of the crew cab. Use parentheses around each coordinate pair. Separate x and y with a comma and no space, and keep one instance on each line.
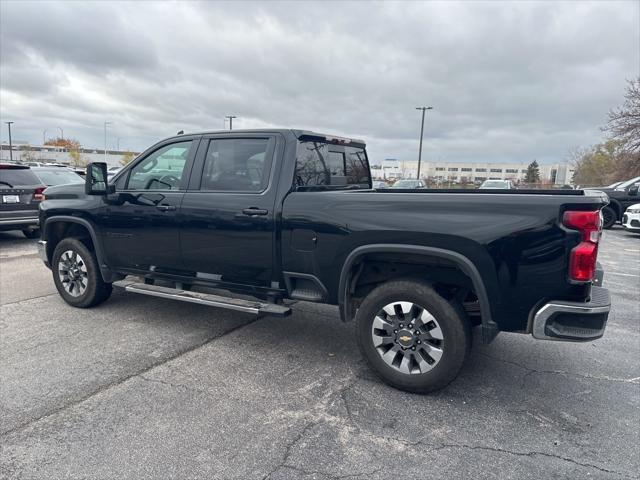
(291,215)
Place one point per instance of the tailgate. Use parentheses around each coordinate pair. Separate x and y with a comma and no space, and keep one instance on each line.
(17,200)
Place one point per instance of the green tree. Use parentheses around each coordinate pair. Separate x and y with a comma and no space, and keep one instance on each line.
(596,166)
(126,158)
(533,173)
(76,159)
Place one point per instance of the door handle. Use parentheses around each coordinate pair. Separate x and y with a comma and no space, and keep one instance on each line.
(253,211)
(166,208)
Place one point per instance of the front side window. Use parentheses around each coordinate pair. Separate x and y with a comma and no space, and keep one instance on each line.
(329,165)
(237,164)
(162,170)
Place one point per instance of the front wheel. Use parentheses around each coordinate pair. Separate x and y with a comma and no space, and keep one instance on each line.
(77,276)
(413,338)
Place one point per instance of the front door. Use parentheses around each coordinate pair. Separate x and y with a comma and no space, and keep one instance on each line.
(228,211)
(139,223)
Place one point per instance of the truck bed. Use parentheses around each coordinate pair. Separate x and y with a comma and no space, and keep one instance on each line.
(530,191)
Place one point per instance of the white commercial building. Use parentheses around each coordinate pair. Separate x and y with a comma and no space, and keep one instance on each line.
(467,172)
(48,154)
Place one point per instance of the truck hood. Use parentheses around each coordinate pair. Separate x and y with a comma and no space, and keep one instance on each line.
(70,190)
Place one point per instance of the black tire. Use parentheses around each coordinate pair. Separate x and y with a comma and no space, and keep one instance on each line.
(31,232)
(96,290)
(609,217)
(450,319)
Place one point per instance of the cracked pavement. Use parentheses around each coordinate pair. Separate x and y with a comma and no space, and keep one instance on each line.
(146,388)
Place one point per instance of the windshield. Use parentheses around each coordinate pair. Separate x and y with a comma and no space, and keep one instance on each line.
(405,184)
(58,176)
(495,184)
(628,182)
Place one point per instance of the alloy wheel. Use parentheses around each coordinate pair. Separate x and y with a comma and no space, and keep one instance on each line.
(72,272)
(407,337)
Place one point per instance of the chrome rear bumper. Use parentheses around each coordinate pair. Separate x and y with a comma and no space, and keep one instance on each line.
(573,321)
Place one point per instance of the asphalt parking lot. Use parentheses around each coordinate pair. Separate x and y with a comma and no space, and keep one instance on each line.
(142,387)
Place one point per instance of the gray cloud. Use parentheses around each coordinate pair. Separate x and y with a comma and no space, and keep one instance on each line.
(509,81)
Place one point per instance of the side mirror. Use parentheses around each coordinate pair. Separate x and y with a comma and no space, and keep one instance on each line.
(633,189)
(95,181)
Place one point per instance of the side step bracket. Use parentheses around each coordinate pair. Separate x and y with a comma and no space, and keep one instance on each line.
(254,307)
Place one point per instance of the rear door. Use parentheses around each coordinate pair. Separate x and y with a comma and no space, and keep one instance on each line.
(227,214)
(19,192)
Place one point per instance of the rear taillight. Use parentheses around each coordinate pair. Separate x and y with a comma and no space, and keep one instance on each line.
(582,261)
(38,195)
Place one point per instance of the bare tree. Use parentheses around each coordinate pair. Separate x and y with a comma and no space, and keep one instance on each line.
(624,122)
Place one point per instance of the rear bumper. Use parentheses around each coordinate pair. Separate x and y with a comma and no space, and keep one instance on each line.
(18,223)
(573,321)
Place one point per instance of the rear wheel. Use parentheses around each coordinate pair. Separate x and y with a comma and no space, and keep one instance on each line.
(413,338)
(31,232)
(608,217)
(77,276)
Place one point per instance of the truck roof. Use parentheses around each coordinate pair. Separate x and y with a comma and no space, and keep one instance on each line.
(298,133)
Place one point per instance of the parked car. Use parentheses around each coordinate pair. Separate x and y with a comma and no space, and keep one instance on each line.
(631,218)
(379,184)
(291,215)
(496,184)
(111,171)
(620,197)
(20,192)
(408,184)
(56,175)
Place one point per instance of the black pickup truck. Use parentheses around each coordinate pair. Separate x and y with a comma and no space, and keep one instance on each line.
(285,215)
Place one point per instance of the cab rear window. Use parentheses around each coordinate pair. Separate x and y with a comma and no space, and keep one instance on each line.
(332,166)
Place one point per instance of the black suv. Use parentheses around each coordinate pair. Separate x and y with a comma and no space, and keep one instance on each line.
(20,194)
(621,197)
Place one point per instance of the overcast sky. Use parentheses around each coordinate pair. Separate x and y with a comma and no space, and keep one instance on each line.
(508,81)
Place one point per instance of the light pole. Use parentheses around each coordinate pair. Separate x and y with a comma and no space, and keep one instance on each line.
(231,117)
(105,140)
(44,135)
(10,144)
(61,133)
(424,109)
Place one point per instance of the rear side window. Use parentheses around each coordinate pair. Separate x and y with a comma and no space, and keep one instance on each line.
(237,165)
(324,164)
(17,177)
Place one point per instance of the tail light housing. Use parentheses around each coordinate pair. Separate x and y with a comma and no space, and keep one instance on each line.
(38,193)
(582,259)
